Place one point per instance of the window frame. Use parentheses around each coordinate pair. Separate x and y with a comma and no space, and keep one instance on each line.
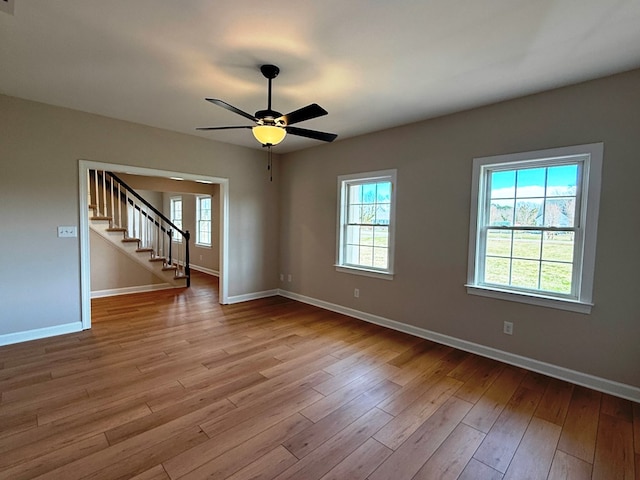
(200,221)
(590,157)
(176,236)
(344,181)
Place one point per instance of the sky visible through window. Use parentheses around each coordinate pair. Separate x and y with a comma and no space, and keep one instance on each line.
(531,181)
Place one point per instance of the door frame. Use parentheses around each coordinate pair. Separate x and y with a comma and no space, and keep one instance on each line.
(85,257)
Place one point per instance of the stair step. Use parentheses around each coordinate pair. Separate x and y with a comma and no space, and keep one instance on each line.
(178,277)
(100,217)
(131,240)
(116,229)
(169,267)
(158,259)
(144,250)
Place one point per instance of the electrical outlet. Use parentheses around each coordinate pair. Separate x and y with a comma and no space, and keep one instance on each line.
(282,277)
(508,328)
(356,292)
(289,278)
(67,231)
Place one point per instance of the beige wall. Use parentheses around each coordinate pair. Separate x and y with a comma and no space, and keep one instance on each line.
(434,160)
(40,147)
(113,269)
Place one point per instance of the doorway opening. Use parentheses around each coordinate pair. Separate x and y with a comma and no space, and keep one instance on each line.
(85,260)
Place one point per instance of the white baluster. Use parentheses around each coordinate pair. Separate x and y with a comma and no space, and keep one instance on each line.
(104,195)
(120,223)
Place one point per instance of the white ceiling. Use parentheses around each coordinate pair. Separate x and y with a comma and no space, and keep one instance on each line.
(372,64)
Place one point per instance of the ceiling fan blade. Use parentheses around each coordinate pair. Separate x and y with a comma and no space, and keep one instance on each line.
(316,135)
(223,128)
(305,113)
(231,108)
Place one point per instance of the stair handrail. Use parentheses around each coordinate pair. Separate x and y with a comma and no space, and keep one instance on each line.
(185,234)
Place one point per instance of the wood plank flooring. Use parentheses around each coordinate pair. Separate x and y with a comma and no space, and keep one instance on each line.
(171,385)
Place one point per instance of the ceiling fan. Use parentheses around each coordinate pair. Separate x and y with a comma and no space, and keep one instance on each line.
(271,126)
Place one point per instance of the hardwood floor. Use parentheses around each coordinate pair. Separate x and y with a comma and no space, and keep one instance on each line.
(172,385)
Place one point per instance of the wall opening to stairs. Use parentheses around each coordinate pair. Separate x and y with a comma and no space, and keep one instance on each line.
(84,231)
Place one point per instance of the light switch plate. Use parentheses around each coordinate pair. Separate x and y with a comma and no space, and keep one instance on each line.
(67,231)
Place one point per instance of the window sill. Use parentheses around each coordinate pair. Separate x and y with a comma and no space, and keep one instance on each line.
(202,245)
(365,272)
(540,300)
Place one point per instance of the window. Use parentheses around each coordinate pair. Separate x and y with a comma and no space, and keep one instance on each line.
(176,217)
(533,226)
(203,220)
(366,223)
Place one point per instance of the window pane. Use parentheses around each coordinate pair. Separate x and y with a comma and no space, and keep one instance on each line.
(560,212)
(527,244)
(558,246)
(499,243)
(380,257)
(525,273)
(497,270)
(366,256)
(501,213)
(562,180)
(369,193)
(556,277)
(529,213)
(354,214)
(366,236)
(381,236)
(353,234)
(383,212)
(352,253)
(503,184)
(368,214)
(384,192)
(530,182)
(355,193)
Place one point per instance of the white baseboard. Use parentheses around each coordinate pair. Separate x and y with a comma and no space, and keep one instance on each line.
(622,390)
(206,270)
(127,290)
(252,296)
(38,333)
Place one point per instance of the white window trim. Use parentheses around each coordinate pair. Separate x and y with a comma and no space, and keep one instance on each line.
(590,188)
(172,199)
(343,180)
(197,243)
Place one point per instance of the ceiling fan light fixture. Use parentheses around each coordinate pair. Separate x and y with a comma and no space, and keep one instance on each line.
(269,134)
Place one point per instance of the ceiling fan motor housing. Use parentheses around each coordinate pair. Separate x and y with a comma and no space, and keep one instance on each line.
(270,71)
(270,117)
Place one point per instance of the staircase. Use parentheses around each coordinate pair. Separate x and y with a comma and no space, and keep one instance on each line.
(125,219)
